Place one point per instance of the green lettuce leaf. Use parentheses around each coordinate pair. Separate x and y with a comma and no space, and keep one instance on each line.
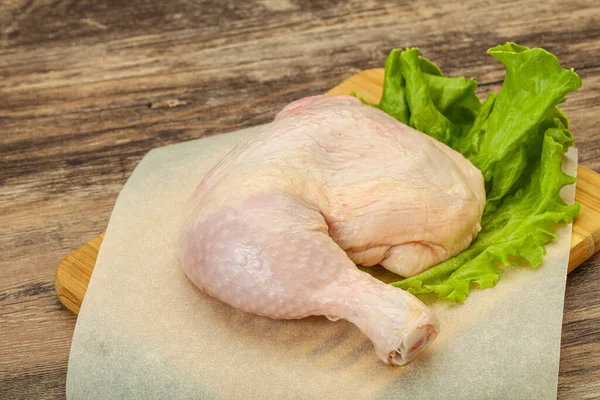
(517,138)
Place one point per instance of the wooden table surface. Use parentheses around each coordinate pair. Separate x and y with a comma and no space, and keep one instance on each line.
(88,87)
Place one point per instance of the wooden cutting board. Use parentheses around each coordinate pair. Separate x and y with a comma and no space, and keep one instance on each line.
(74,271)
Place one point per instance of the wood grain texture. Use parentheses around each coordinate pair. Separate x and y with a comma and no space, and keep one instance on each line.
(74,272)
(88,87)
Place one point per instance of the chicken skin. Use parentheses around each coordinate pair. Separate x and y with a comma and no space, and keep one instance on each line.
(276,227)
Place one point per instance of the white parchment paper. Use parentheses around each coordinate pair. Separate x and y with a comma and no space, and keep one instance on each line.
(145,332)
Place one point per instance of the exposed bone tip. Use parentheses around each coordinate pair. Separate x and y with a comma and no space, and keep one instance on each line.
(414,342)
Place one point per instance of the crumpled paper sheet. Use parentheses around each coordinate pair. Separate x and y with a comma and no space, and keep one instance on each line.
(146,332)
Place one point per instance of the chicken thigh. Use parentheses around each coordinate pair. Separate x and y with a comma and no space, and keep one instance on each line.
(277,227)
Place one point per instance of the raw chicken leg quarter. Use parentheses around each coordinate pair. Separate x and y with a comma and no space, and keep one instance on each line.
(276,228)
